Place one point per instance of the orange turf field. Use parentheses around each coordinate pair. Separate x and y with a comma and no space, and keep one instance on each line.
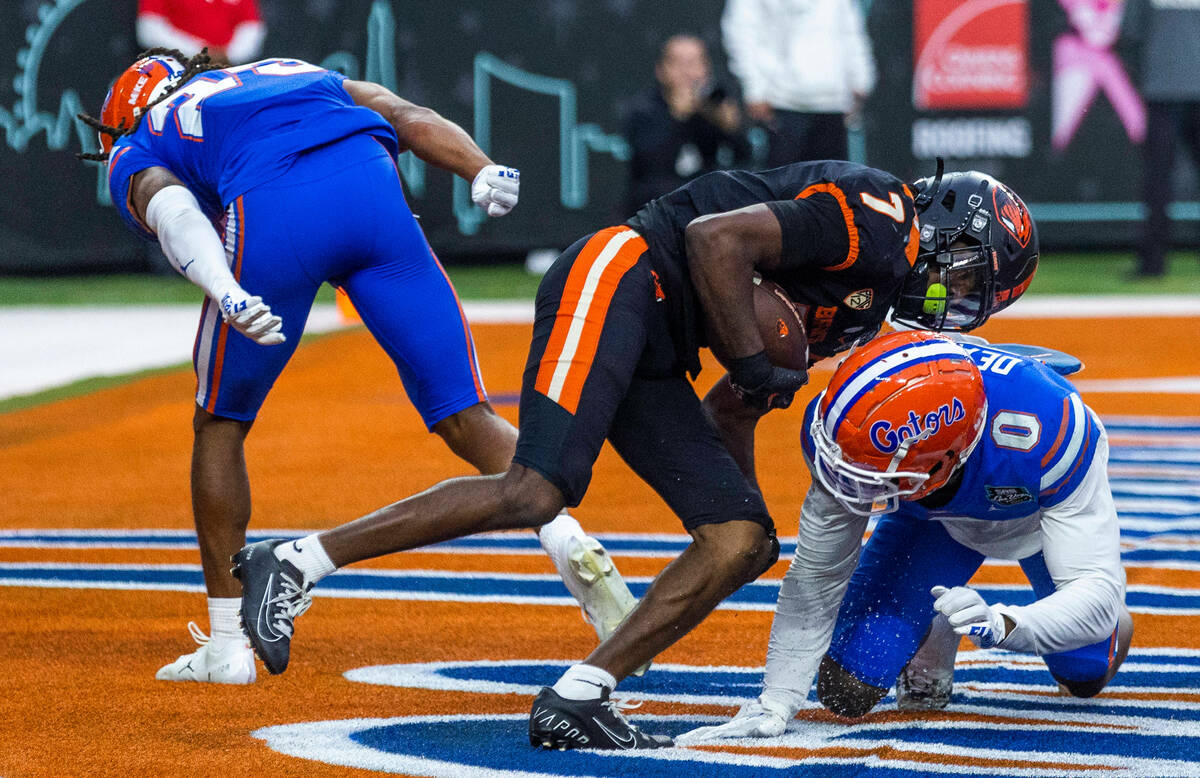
(337,438)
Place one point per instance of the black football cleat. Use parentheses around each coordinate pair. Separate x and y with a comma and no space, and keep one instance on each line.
(273,595)
(562,724)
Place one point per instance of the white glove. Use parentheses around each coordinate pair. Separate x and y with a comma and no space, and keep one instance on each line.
(495,188)
(970,615)
(757,718)
(251,317)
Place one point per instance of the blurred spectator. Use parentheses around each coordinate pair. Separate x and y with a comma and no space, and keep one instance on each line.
(806,68)
(1169,32)
(231,29)
(684,126)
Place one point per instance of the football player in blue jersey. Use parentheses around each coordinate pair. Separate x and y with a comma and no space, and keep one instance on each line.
(261,182)
(966,452)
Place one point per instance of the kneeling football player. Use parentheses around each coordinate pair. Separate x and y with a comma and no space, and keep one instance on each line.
(968,453)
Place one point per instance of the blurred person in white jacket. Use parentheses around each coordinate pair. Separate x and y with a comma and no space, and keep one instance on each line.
(805,68)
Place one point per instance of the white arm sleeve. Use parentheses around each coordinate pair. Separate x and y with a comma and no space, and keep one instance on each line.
(246,43)
(827,548)
(154,30)
(189,240)
(1081,545)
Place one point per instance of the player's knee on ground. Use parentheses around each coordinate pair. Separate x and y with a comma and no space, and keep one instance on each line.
(528,497)
(1093,687)
(1084,688)
(842,693)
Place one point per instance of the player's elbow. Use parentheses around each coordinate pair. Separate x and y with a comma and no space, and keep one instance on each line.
(708,245)
(1105,598)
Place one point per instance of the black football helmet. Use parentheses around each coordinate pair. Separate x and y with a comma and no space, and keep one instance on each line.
(978,252)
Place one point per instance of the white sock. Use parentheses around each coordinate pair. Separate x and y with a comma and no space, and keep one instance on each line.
(309,557)
(584,682)
(558,538)
(223,620)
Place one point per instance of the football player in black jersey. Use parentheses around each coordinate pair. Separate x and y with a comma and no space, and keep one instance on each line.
(620,317)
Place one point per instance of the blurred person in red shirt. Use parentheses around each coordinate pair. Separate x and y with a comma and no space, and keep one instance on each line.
(232,30)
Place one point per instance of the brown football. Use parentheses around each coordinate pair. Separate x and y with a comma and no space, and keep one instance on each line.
(780,326)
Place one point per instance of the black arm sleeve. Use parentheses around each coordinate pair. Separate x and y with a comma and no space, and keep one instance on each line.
(815,232)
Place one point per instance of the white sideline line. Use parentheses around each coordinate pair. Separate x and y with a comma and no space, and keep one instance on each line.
(1175,385)
(48,346)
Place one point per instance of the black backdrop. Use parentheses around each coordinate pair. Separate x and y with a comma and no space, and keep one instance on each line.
(545,55)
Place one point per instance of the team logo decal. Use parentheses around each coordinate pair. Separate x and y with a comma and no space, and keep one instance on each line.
(1013,214)
(887,438)
(860,300)
(1006,496)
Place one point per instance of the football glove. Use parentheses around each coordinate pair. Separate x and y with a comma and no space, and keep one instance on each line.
(495,188)
(757,718)
(252,317)
(970,615)
(762,385)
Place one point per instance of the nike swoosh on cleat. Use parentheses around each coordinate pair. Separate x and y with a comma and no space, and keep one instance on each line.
(265,630)
(297,547)
(627,742)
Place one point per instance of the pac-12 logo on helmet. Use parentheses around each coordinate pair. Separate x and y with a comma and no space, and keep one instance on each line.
(899,417)
(141,84)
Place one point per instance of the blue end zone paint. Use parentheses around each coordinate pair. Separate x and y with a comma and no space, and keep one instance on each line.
(1002,671)
(1023,726)
(439,585)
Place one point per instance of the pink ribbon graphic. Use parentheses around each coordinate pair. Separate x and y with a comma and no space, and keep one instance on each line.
(1083,65)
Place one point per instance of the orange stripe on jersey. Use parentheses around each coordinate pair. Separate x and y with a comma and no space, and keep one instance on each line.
(241,233)
(914,235)
(112,162)
(1062,432)
(851,231)
(589,290)
(215,387)
(1087,441)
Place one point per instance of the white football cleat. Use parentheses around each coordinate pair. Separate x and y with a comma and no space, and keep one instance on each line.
(601,591)
(225,662)
(606,600)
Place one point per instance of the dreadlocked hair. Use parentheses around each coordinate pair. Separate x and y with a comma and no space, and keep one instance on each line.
(200,63)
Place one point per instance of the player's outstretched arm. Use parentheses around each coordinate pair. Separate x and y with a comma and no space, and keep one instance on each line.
(443,144)
(170,211)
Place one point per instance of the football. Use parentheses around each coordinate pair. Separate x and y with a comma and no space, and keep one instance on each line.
(780,325)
